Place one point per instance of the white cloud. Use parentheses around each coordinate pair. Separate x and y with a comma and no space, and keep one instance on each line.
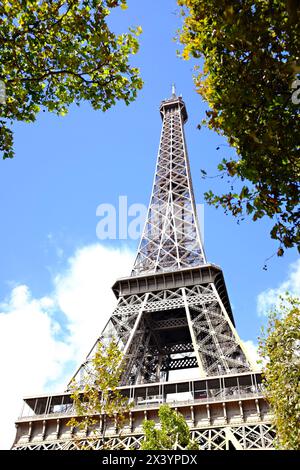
(32,350)
(83,292)
(270,298)
(252,353)
(30,355)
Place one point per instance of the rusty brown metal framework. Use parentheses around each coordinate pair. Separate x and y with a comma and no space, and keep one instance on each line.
(172,314)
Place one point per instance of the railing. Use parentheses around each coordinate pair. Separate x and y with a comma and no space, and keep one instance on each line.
(151,403)
(194,401)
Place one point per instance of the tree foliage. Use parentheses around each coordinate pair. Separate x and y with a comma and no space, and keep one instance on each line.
(54,53)
(97,393)
(174,432)
(251,52)
(280,348)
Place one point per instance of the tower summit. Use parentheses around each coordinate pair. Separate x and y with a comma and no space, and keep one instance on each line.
(171,238)
(174,324)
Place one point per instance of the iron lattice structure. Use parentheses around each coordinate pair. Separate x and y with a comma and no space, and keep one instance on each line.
(171,238)
(172,314)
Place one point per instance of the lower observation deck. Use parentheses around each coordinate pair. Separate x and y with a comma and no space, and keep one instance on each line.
(222,412)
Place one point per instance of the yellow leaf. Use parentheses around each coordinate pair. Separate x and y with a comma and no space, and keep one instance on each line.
(186,54)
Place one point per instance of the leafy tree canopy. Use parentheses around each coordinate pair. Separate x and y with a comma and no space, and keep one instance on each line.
(97,392)
(251,52)
(174,432)
(280,349)
(54,53)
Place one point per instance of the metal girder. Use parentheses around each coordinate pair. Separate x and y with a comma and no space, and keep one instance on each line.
(181,363)
(192,319)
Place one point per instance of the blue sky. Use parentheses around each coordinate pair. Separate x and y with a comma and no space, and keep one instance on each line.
(66,166)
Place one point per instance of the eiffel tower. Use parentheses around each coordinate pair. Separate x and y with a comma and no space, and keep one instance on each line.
(175,327)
